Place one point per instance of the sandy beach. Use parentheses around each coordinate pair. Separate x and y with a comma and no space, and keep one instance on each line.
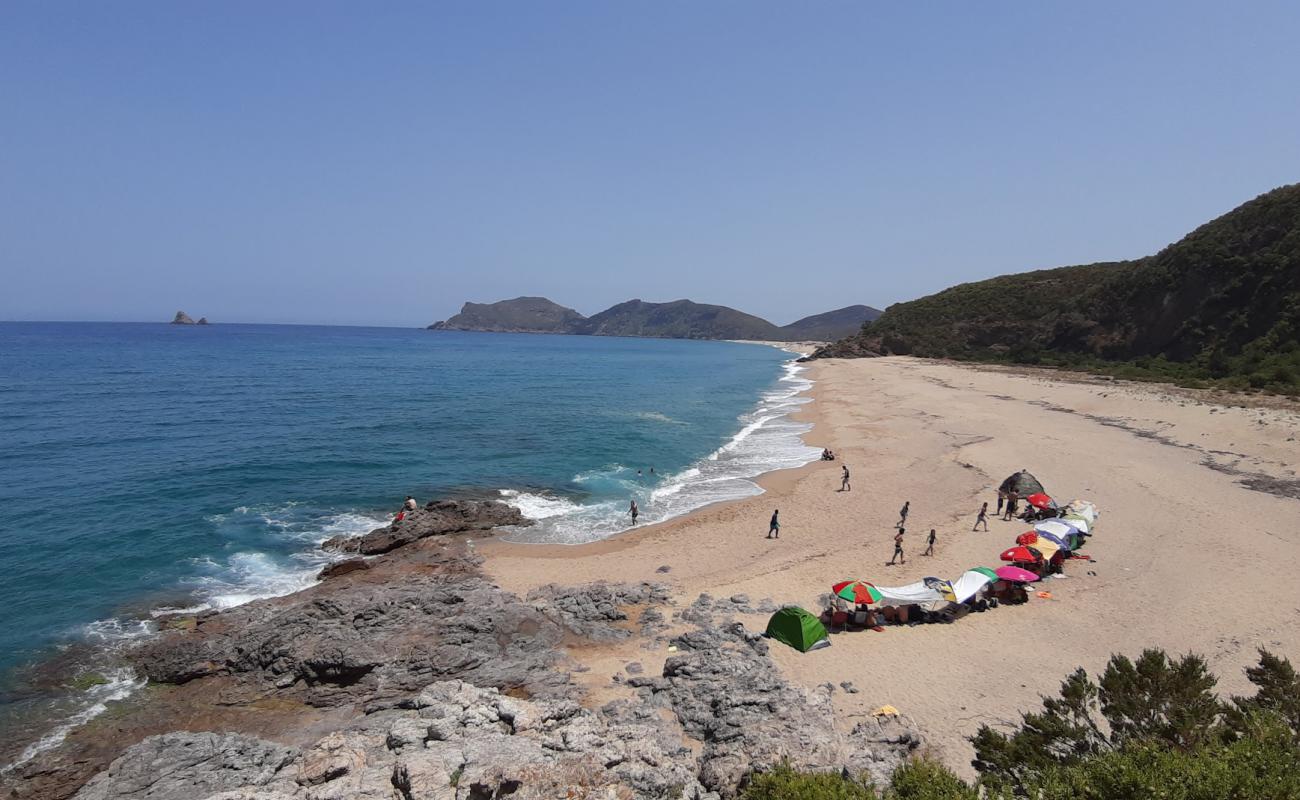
(1194,551)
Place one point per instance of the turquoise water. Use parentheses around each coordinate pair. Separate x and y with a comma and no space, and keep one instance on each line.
(146,466)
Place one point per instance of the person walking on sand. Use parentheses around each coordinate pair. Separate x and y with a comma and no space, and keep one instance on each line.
(774,527)
(983,518)
(898,548)
(1011,507)
(845,486)
(902,514)
(634,511)
(929,544)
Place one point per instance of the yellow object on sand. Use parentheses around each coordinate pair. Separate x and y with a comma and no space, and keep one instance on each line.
(885,711)
(1045,595)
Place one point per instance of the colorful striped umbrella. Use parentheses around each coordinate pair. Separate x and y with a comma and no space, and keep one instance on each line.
(859,592)
(984,571)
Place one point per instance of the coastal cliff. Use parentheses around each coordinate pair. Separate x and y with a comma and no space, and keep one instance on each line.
(678,319)
(418,675)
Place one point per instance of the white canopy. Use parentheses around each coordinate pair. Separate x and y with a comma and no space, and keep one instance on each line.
(969,584)
(911,594)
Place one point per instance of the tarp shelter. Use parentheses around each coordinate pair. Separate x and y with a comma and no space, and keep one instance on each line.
(797,628)
(1022,483)
(912,594)
(970,584)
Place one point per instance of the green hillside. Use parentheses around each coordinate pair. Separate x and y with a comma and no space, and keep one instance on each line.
(1221,306)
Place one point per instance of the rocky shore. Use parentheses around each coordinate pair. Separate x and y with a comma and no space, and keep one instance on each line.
(410,675)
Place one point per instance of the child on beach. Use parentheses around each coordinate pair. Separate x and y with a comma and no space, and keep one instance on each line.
(898,548)
(902,514)
(845,486)
(929,544)
(774,527)
(983,518)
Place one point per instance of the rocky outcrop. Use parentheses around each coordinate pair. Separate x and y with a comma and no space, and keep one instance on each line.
(438,518)
(202,321)
(182,318)
(458,741)
(344,567)
(182,766)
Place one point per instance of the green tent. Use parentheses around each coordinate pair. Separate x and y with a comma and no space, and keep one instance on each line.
(797,628)
(1022,483)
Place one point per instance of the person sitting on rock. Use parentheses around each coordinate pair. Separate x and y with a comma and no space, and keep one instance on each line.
(410,503)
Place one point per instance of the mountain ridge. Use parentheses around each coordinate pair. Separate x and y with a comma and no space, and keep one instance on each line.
(1220,306)
(676,319)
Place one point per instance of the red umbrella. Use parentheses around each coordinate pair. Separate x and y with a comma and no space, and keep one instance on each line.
(859,592)
(1022,554)
(1041,500)
(1027,538)
(1016,575)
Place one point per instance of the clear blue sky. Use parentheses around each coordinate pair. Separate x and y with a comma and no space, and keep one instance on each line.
(381,163)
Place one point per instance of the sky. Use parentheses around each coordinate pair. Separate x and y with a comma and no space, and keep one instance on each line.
(347,163)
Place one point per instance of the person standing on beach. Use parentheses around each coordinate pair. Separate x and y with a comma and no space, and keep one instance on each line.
(633,510)
(929,544)
(983,518)
(774,527)
(1011,507)
(902,514)
(845,486)
(1001,500)
(898,548)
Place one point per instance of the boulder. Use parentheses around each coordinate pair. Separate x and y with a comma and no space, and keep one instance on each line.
(342,568)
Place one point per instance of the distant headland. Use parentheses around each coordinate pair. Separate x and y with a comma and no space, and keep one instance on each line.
(182,318)
(679,319)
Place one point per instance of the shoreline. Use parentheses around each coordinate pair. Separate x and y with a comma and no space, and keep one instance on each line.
(941,435)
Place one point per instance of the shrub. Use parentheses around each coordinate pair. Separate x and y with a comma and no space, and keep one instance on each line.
(923,779)
(784,783)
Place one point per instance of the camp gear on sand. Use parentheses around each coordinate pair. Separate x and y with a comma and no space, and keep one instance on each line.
(1040,500)
(799,629)
(1016,574)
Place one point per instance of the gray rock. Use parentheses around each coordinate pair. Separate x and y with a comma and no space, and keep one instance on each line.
(342,568)
(185,766)
(437,518)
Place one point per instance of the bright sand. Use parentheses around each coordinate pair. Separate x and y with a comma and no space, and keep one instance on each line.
(1188,558)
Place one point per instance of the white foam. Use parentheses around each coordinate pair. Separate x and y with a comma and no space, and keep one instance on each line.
(767,440)
(119,685)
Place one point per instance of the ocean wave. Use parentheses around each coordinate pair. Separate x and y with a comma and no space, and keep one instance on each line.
(216,583)
(767,440)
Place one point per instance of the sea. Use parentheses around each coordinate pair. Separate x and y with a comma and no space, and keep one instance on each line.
(151,467)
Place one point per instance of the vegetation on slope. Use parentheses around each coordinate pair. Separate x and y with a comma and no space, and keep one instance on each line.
(1221,306)
(1152,727)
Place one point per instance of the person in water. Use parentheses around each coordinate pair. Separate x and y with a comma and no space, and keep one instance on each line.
(634,511)
(845,486)
(774,527)
(929,544)
(983,518)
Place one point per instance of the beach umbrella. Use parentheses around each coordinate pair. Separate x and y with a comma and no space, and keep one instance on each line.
(858,592)
(1016,575)
(1045,548)
(1021,554)
(1027,538)
(1040,500)
(985,571)
(1084,509)
(1056,527)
